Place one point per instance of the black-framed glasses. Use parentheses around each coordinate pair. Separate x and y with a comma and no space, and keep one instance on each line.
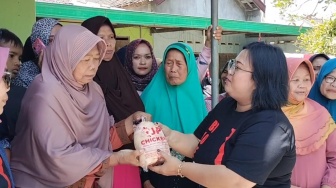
(232,67)
(329,79)
(7,78)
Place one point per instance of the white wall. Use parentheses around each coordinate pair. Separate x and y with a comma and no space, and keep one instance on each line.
(228,44)
(286,47)
(227,9)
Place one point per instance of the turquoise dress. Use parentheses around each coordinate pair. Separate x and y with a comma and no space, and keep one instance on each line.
(181,108)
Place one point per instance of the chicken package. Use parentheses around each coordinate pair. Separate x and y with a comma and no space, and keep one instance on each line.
(149,138)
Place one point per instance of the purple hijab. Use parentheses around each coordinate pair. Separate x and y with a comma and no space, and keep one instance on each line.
(63,126)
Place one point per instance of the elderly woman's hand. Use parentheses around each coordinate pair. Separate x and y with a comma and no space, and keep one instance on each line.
(127,157)
(135,117)
(169,167)
(138,115)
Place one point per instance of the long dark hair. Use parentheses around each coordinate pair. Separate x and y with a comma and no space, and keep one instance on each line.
(270,76)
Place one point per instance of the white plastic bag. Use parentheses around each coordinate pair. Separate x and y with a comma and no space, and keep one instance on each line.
(149,138)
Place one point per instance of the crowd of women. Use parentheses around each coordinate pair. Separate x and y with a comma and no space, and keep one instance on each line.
(72,104)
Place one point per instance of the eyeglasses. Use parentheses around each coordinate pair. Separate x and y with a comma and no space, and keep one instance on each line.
(232,67)
(330,79)
(7,77)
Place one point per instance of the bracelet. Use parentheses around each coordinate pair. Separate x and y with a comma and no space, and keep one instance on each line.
(179,170)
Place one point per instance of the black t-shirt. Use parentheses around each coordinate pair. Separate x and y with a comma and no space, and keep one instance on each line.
(257,145)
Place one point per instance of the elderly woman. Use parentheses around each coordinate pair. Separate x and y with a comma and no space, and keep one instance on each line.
(6,178)
(315,135)
(120,95)
(324,89)
(245,141)
(64,130)
(177,102)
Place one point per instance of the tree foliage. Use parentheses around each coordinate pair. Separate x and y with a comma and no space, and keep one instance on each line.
(322,37)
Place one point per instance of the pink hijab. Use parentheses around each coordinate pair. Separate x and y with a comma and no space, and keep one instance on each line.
(3,59)
(62,132)
(311,122)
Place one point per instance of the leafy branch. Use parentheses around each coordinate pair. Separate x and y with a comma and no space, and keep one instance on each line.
(322,37)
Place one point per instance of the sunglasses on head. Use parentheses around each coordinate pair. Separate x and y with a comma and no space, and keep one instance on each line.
(7,77)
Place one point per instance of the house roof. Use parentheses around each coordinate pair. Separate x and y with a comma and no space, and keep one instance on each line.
(252,5)
(158,20)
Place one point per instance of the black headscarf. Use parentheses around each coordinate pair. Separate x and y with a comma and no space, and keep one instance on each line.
(312,58)
(122,99)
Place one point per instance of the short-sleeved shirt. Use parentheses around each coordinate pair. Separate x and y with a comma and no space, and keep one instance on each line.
(259,145)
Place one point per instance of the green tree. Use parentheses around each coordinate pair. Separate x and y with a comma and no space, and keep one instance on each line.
(322,37)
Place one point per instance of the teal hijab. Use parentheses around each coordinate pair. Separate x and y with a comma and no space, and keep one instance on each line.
(315,92)
(182,107)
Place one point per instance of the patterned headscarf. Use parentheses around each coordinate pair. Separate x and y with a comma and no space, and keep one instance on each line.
(29,69)
(140,82)
(42,30)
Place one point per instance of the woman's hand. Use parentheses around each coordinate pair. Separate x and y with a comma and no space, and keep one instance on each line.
(217,34)
(166,130)
(138,115)
(126,157)
(169,167)
(129,122)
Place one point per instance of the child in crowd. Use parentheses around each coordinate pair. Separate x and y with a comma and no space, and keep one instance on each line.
(11,41)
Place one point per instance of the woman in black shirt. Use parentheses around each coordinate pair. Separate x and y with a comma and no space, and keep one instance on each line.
(246,141)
